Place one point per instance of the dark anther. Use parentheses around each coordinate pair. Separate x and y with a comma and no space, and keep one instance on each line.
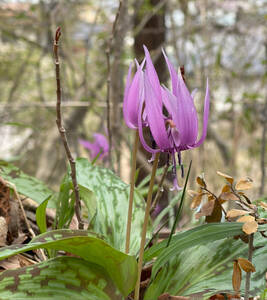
(183,73)
(182,170)
(153,143)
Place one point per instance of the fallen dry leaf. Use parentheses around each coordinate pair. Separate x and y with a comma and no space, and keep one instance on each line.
(229,178)
(206,209)
(216,214)
(233,213)
(192,193)
(4,200)
(246,219)
(201,181)
(246,265)
(263,205)
(3,231)
(245,183)
(228,196)
(261,221)
(196,201)
(237,277)
(10,263)
(226,189)
(250,227)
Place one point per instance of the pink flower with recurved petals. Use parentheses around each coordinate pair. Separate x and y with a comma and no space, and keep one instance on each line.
(144,101)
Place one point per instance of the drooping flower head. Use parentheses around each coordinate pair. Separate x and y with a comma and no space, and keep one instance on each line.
(99,146)
(175,131)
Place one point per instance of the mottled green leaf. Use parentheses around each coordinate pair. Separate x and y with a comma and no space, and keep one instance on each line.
(59,278)
(65,206)
(112,196)
(186,239)
(120,267)
(207,270)
(25,184)
(89,199)
(41,215)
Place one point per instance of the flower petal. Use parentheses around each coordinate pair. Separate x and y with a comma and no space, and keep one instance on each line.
(155,118)
(132,95)
(169,101)
(140,130)
(102,141)
(152,74)
(173,74)
(205,116)
(92,147)
(183,112)
(187,122)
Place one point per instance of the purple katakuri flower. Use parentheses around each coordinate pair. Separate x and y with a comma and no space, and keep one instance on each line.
(178,130)
(100,145)
(134,92)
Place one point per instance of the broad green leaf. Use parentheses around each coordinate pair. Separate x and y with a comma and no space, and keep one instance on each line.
(184,240)
(121,268)
(25,184)
(89,199)
(112,196)
(207,270)
(65,206)
(41,215)
(59,278)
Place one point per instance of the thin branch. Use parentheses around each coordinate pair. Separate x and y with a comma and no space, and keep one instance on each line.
(46,104)
(62,132)
(108,51)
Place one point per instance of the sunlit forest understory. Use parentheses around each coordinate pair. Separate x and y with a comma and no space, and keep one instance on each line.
(160,105)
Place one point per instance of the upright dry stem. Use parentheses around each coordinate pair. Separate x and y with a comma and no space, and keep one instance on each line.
(108,51)
(160,188)
(248,274)
(143,237)
(130,207)
(63,135)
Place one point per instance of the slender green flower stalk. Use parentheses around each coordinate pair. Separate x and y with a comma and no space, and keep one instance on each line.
(144,230)
(248,274)
(132,184)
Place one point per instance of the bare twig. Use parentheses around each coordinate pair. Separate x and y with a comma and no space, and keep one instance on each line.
(47,104)
(108,51)
(63,135)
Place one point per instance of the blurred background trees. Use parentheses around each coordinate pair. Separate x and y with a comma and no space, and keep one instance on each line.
(222,40)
